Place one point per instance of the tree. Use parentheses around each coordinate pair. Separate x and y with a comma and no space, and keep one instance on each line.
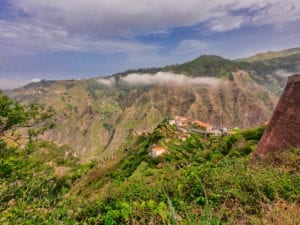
(33,116)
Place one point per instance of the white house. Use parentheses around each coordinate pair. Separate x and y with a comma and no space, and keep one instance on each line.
(172,122)
(181,121)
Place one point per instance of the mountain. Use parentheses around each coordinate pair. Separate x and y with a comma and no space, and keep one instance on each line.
(118,155)
(272,55)
(96,116)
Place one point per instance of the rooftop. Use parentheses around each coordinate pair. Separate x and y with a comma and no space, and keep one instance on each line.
(158,148)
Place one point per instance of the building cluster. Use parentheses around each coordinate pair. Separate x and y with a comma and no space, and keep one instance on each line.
(186,125)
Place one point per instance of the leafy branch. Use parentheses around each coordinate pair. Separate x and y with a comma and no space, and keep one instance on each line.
(35,117)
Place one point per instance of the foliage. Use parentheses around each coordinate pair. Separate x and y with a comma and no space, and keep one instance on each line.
(207,65)
(13,114)
(254,134)
(201,180)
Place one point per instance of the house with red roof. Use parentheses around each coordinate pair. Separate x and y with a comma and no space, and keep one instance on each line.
(157,150)
(203,125)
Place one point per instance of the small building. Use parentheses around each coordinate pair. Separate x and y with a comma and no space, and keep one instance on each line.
(181,121)
(172,122)
(157,150)
(203,125)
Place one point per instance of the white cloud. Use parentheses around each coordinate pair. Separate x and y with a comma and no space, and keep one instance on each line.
(283,73)
(25,38)
(110,27)
(186,47)
(6,83)
(107,81)
(226,23)
(166,78)
(278,13)
(35,80)
(102,18)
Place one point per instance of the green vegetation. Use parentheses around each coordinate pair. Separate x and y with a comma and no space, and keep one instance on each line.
(272,55)
(33,177)
(112,108)
(34,117)
(207,65)
(198,180)
(201,180)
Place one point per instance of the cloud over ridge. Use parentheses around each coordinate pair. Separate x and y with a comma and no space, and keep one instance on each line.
(161,78)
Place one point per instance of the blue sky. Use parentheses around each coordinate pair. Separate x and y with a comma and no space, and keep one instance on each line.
(64,39)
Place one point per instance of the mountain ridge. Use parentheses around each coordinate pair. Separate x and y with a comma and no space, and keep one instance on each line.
(271,55)
(101,113)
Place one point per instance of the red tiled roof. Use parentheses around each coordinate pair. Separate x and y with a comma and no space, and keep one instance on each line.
(202,124)
(158,148)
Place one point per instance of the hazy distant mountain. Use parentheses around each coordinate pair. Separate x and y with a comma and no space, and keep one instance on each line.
(272,55)
(99,114)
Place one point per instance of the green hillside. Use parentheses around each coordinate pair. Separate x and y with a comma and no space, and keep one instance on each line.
(200,180)
(272,55)
(102,112)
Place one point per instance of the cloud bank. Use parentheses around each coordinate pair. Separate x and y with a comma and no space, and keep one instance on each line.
(161,78)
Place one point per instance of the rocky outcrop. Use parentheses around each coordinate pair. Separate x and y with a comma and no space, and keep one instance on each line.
(283,129)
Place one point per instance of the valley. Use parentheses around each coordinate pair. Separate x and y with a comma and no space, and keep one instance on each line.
(149,112)
(101,113)
(154,146)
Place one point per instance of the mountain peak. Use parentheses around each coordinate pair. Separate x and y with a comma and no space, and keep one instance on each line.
(209,57)
(207,65)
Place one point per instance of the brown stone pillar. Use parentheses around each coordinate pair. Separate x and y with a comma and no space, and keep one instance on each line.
(283,129)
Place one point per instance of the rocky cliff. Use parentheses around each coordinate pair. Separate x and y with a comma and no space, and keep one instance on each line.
(283,129)
(93,117)
(98,115)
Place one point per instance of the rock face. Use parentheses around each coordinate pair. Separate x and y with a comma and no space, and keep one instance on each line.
(93,117)
(283,129)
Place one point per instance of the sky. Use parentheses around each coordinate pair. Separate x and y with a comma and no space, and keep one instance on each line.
(75,39)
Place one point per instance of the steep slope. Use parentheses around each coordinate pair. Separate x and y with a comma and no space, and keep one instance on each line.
(283,130)
(93,117)
(197,180)
(99,114)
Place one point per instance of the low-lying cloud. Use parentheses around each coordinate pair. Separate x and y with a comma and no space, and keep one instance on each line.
(161,78)
(107,81)
(283,73)
(15,83)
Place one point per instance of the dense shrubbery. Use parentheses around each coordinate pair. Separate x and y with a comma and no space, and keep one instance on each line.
(254,134)
(36,118)
(29,182)
(201,180)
